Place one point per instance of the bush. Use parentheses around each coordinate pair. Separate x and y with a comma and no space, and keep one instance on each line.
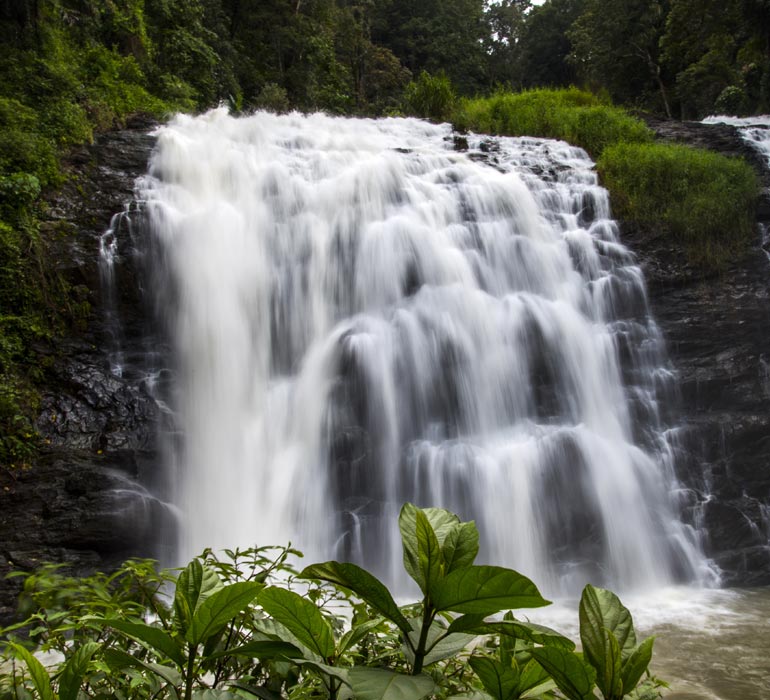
(430,97)
(236,624)
(572,115)
(732,100)
(703,199)
(272,98)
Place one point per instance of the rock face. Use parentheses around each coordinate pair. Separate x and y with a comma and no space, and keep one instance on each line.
(718,336)
(81,502)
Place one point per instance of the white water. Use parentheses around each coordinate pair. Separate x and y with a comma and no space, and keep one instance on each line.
(754,130)
(362,316)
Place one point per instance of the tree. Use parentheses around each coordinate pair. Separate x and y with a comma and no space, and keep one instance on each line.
(505,24)
(720,55)
(545,45)
(435,35)
(615,46)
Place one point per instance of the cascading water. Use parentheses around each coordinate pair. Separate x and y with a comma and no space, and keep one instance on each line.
(361,316)
(754,130)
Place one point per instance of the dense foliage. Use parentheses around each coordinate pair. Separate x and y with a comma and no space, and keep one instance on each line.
(250,625)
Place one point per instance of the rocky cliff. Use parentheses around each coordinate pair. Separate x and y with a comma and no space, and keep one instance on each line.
(82,502)
(718,335)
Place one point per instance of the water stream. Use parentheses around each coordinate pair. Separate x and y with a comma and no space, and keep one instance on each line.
(362,315)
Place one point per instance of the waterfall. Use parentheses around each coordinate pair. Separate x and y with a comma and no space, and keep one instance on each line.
(754,130)
(362,315)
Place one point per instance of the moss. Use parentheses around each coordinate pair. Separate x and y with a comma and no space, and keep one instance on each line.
(703,199)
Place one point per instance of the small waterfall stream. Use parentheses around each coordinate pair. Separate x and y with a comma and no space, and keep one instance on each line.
(361,315)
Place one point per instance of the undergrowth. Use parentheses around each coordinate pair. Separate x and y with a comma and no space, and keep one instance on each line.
(250,625)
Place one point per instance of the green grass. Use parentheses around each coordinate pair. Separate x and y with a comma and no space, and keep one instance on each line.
(702,199)
(572,115)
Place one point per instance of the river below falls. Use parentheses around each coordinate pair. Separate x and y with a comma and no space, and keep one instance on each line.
(709,644)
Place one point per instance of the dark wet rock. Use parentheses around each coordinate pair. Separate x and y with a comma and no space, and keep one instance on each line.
(84,512)
(717,331)
(460,143)
(80,503)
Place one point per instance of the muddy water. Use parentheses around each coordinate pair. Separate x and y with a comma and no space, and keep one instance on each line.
(710,645)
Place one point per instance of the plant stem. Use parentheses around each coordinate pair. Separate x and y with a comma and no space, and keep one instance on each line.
(188,680)
(419,652)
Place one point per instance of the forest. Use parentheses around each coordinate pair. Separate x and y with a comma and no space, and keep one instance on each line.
(684,58)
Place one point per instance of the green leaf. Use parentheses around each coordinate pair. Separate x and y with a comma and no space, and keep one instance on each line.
(601,609)
(363,584)
(37,672)
(407,524)
(441,522)
(263,649)
(301,617)
(460,547)
(428,552)
(195,584)
(484,590)
(154,637)
(381,684)
(465,623)
(220,608)
(257,690)
(571,674)
(528,631)
(447,647)
(341,674)
(357,633)
(532,675)
(608,677)
(636,665)
(119,660)
(71,676)
(438,643)
(214,694)
(501,682)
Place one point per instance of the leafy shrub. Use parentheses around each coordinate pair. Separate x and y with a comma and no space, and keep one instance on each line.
(235,626)
(732,100)
(704,199)
(430,97)
(570,114)
(272,98)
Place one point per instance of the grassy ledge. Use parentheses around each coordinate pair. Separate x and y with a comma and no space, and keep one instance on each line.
(703,200)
